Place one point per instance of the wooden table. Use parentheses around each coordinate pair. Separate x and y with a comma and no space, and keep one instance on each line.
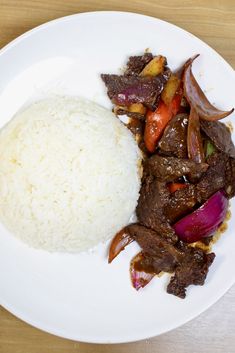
(214,22)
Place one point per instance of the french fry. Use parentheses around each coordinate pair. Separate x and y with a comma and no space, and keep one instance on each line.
(154,67)
(137,108)
(170,89)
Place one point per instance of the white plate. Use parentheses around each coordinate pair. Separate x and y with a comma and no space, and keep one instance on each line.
(80,296)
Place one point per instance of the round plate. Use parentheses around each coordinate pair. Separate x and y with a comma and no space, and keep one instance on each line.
(80,296)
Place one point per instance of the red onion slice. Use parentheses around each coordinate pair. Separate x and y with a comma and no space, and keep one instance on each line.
(204,221)
(196,97)
(139,278)
(119,242)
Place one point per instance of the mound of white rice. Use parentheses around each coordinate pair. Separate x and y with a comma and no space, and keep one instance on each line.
(69,174)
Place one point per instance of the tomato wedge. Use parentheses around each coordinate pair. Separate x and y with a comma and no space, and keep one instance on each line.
(156,121)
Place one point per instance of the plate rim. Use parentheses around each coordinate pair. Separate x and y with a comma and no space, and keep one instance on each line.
(65,18)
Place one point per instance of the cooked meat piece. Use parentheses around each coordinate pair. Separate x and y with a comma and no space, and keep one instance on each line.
(159,254)
(153,197)
(136,64)
(220,135)
(125,90)
(230,178)
(174,139)
(180,203)
(192,270)
(171,168)
(136,126)
(164,193)
(214,178)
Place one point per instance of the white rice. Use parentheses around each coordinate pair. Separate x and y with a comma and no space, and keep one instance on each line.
(69,174)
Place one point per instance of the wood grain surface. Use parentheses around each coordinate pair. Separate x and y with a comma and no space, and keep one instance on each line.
(214,22)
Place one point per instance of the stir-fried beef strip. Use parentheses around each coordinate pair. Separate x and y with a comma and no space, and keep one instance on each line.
(192,270)
(214,178)
(136,64)
(230,178)
(174,139)
(171,168)
(159,254)
(169,207)
(180,203)
(153,197)
(220,135)
(125,90)
(136,126)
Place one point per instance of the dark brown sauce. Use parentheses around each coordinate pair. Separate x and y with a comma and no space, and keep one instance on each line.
(142,266)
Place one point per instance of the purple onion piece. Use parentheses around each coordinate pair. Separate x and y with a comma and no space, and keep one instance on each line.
(205,220)
(141,278)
